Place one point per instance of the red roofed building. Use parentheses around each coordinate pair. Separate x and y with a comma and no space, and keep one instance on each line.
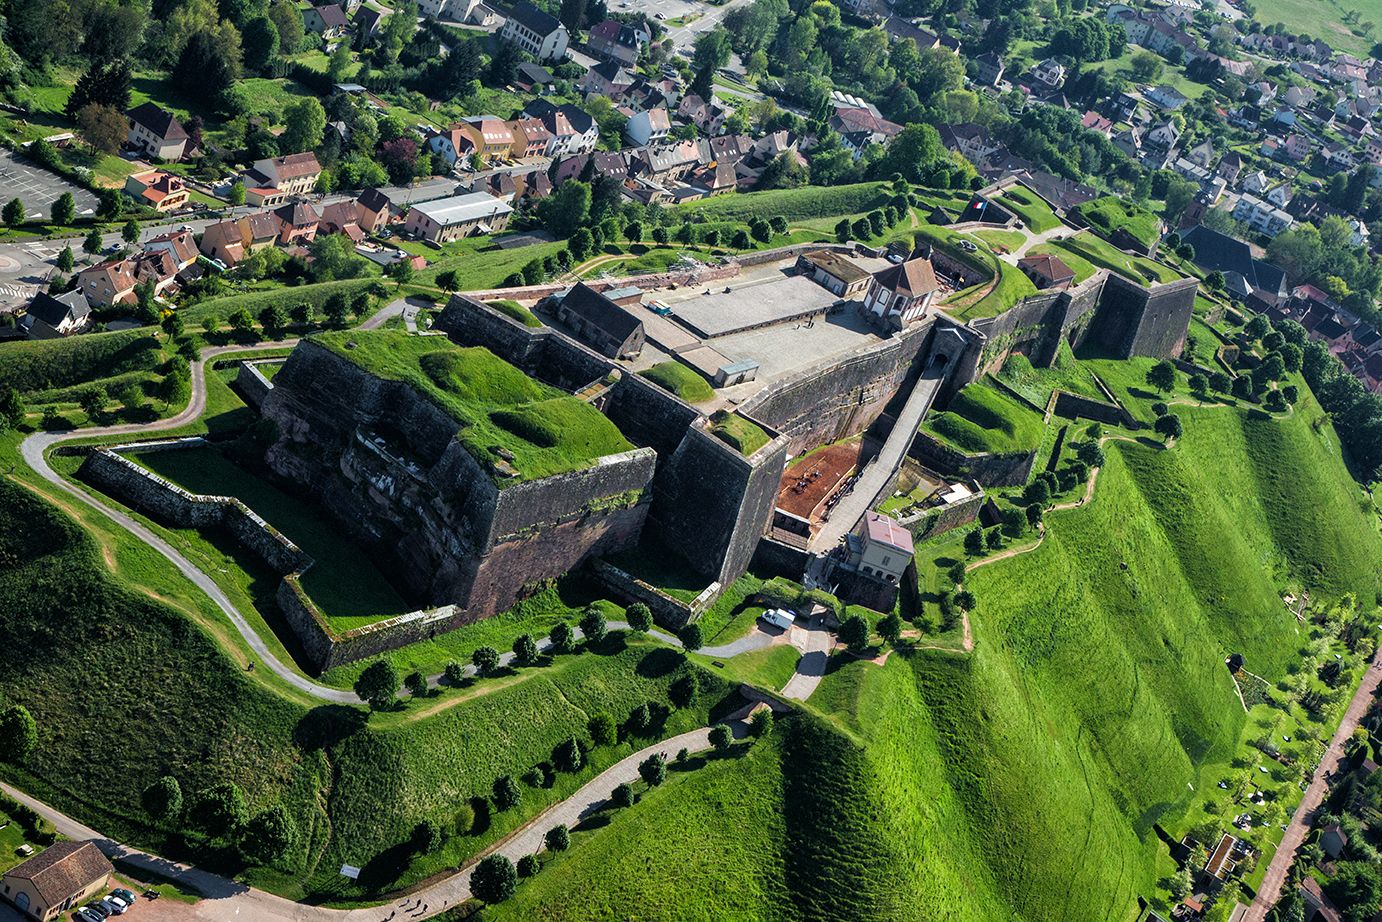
(1047,272)
(903,291)
(158,190)
(883,548)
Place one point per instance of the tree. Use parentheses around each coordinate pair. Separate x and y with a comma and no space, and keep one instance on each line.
(106,85)
(11,408)
(237,193)
(273,319)
(639,617)
(1169,426)
(529,865)
(1162,376)
(18,734)
(557,839)
(288,21)
(269,835)
(567,756)
(994,538)
(506,793)
(65,259)
(427,837)
(525,650)
(446,280)
(640,718)
(684,689)
(378,685)
(653,769)
(13,212)
(974,542)
(602,730)
(1199,384)
(495,879)
(761,230)
(217,811)
(173,325)
(91,244)
(93,401)
(64,210)
(130,231)
(1356,888)
(593,626)
(843,231)
(209,64)
(721,738)
(691,637)
(162,800)
(485,660)
(890,628)
(761,724)
(306,121)
(562,637)
(623,796)
(854,633)
(416,683)
(261,44)
(401,271)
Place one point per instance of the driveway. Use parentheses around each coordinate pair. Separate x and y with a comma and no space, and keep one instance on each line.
(814,642)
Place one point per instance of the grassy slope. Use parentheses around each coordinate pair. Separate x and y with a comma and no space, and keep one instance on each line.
(680,380)
(982,418)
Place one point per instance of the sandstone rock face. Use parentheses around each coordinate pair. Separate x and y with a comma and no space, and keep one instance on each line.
(384,461)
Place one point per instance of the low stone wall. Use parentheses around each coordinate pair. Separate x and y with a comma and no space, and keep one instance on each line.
(1077,406)
(326,649)
(254,387)
(930,522)
(777,558)
(671,613)
(145,491)
(992,470)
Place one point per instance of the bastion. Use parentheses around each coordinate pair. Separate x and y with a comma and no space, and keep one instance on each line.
(474,481)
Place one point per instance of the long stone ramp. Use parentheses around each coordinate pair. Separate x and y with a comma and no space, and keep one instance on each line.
(879,472)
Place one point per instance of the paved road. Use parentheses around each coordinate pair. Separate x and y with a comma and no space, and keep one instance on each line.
(850,509)
(814,642)
(1270,890)
(226,900)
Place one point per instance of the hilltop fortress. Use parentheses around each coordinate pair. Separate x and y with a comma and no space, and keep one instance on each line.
(493,454)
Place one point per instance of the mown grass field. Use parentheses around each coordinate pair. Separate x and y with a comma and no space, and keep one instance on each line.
(1111,214)
(1030,207)
(982,418)
(793,204)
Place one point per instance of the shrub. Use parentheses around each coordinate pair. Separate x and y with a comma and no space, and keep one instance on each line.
(417,685)
(162,800)
(557,839)
(506,793)
(691,636)
(640,718)
(562,637)
(495,879)
(463,820)
(529,865)
(525,650)
(485,659)
(761,724)
(623,795)
(854,633)
(567,756)
(593,626)
(684,689)
(639,617)
(721,738)
(427,837)
(653,769)
(454,673)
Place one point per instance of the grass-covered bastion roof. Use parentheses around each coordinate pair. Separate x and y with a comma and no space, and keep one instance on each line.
(535,429)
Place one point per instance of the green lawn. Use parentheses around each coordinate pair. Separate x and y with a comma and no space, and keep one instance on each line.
(680,380)
(768,668)
(982,418)
(1112,213)
(1036,384)
(739,432)
(1002,241)
(1095,251)
(344,580)
(792,204)
(547,431)
(1330,22)
(1030,207)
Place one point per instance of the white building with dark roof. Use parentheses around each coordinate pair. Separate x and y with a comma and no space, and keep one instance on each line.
(459,216)
(540,34)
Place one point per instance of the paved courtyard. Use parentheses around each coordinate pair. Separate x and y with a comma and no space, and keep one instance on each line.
(37,188)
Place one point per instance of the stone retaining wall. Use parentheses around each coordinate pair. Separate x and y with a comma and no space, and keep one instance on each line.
(1009,469)
(930,522)
(254,387)
(1077,406)
(671,613)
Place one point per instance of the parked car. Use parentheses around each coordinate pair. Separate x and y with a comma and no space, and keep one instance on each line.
(113,907)
(121,904)
(85,915)
(967,246)
(125,895)
(96,910)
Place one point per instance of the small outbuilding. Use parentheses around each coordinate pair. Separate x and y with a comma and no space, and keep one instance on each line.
(600,322)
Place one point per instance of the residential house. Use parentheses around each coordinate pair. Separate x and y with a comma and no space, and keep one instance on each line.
(51,317)
(970,140)
(607,78)
(368,22)
(650,127)
(902,291)
(1262,94)
(1338,156)
(328,21)
(1333,839)
(1125,106)
(881,547)
(448,219)
(500,185)
(59,879)
(990,69)
(1166,97)
(910,30)
(1202,154)
(265,196)
(156,133)
(232,240)
(533,78)
(573,130)
(607,327)
(1297,147)
(835,272)
(157,189)
(1049,73)
(297,223)
(533,185)
(1299,97)
(1159,144)
(452,144)
(294,174)
(181,245)
(1093,121)
(539,34)
(620,42)
(1262,216)
(350,6)
(530,138)
(1280,194)
(492,137)
(108,283)
(1129,141)
(375,211)
(342,218)
(1047,272)
(715,178)
(1230,165)
(1256,183)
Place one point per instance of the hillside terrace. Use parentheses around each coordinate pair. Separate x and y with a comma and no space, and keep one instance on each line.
(535,429)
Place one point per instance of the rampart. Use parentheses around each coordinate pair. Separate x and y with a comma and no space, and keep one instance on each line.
(253,384)
(671,613)
(926,523)
(1010,469)
(1036,325)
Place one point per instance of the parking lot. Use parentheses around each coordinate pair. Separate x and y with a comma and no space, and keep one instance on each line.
(37,188)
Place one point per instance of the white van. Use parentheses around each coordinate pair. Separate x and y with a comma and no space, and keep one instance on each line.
(779,617)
